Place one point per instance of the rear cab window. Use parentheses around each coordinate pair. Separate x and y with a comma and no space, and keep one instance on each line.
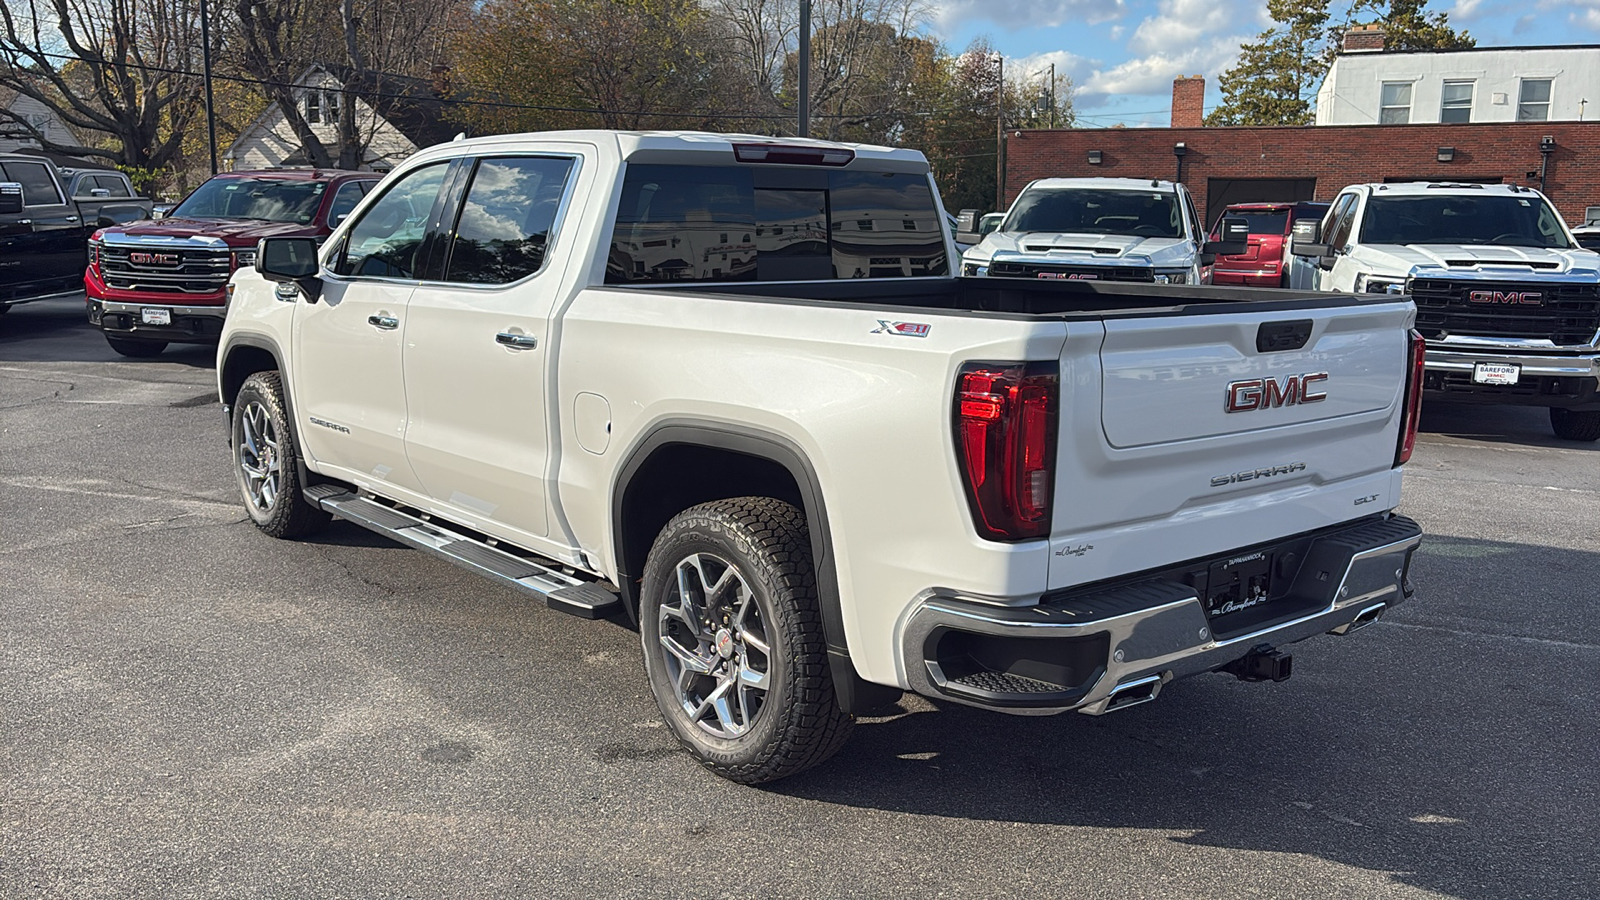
(683,223)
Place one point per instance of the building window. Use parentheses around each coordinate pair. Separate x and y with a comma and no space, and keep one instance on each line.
(322,107)
(1396,103)
(1533,104)
(1456,105)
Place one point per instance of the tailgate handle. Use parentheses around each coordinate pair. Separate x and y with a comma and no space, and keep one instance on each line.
(1272,337)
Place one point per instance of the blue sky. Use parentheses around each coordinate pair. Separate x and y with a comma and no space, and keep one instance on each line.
(1123,54)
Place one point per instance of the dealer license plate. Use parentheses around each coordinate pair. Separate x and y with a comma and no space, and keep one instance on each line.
(151,315)
(1495,373)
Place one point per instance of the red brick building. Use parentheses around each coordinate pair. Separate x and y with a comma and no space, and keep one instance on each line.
(1237,165)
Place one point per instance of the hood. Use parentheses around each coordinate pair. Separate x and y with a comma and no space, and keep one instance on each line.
(1477,260)
(1084,249)
(236,232)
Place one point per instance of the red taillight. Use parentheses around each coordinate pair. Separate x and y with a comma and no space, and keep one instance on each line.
(1005,422)
(790,155)
(1413,410)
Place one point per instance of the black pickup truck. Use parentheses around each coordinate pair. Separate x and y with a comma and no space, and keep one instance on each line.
(44,228)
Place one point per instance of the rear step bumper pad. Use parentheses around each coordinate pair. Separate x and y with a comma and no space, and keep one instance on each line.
(1097,645)
(542,578)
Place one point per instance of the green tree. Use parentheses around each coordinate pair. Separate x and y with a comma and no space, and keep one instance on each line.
(1276,77)
(1408,26)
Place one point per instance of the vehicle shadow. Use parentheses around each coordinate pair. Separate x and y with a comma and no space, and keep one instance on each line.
(1527,426)
(1442,754)
(57,331)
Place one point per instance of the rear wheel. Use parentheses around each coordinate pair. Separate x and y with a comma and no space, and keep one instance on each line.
(1575,425)
(733,642)
(265,461)
(134,347)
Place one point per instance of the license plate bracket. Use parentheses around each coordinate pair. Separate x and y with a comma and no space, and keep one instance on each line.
(1239,583)
(155,315)
(1496,373)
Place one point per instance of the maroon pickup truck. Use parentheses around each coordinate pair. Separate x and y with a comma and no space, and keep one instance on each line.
(1263,262)
(165,281)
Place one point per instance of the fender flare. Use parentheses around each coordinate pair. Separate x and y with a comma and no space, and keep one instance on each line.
(855,694)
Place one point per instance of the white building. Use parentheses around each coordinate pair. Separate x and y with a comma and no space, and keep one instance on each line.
(1367,85)
(47,121)
(396,117)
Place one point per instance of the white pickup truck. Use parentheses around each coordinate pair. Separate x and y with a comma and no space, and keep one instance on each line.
(1507,299)
(1095,229)
(727,388)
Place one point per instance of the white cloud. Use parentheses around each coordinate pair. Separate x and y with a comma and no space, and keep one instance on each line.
(1152,75)
(1181,23)
(1038,65)
(1017,15)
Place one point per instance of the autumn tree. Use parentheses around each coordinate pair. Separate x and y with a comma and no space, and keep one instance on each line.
(1407,25)
(119,72)
(540,64)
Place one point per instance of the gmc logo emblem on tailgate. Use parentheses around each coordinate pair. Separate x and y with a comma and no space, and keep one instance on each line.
(158,259)
(1266,393)
(1529,298)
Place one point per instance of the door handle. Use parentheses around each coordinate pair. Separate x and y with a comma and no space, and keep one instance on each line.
(72,218)
(387,323)
(517,341)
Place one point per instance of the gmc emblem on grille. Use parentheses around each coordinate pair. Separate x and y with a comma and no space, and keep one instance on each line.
(1527,298)
(155,259)
(1266,393)
(1069,276)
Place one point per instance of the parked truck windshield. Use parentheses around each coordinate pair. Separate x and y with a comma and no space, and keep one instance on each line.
(1097,211)
(269,199)
(1513,221)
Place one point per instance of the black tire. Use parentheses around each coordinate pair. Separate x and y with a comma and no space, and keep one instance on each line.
(1575,425)
(265,453)
(136,348)
(797,723)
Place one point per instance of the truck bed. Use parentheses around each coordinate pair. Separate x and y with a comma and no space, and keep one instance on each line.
(1046,299)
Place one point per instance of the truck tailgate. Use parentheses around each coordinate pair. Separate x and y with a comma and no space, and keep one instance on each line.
(1203,433)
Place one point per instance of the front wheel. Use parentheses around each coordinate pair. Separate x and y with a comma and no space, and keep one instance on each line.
(133,347)
(733,640)
(264,461)
(1575,425)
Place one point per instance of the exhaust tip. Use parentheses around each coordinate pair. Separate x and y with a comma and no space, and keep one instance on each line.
(1363,619)
(1133,693)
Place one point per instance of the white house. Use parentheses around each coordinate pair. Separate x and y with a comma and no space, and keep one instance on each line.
(14,136)
(395,115)
(1367,85)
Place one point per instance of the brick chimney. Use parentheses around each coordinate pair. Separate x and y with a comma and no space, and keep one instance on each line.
(1188,101)
(1363,38)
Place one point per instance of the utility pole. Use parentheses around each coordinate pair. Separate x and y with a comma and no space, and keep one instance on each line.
(1052,95)
(1000,134)
(805,68)
(205,64)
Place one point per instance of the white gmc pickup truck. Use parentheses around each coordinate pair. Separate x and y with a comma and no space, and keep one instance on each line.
(727,388)
(1506,298)
(1095,229)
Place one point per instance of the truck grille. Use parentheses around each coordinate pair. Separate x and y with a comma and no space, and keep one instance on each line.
(1564,314)
(1083,273)
(165,269)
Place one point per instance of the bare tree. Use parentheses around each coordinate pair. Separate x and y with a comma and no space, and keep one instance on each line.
(122,69)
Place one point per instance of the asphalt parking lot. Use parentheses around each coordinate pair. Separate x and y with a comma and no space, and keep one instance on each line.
(191,709)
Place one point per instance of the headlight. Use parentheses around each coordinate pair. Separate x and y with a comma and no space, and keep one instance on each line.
(975,270)
(242,258)
(94,255)
(1385,286)
(1177,276)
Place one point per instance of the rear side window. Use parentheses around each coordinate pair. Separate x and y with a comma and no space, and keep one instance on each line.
(1265,222)
(38,188)
(505,223)
(745,223)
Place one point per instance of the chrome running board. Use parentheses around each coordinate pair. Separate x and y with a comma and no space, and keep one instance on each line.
(561,587)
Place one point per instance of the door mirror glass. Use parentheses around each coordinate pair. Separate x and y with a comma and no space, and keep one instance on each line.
(1233,234)
(1309,249)
(287,258)
(10,198)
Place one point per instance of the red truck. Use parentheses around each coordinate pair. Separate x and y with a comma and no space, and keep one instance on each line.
(1263,262)
(165,281)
